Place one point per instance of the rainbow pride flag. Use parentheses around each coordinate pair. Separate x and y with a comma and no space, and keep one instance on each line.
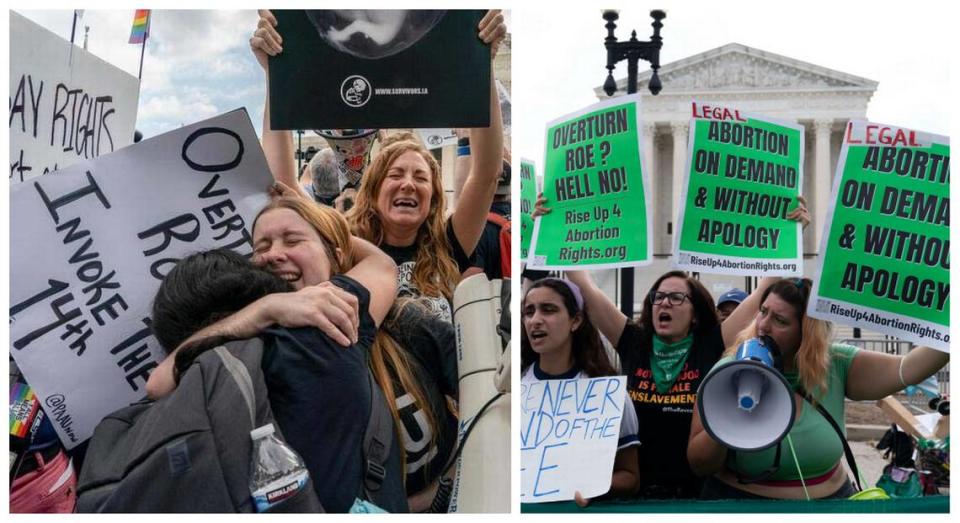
(23,407)
(141,26)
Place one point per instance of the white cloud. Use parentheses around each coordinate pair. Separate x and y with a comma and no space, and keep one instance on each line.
(197,63)
(559,56)
(180,109)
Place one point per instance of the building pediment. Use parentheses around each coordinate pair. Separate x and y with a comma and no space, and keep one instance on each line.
(736,67)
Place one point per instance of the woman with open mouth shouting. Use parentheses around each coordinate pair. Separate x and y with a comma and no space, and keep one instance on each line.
(400,204)
(559,342)
(665,355)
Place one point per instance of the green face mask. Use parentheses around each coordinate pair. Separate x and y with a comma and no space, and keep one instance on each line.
(667,361)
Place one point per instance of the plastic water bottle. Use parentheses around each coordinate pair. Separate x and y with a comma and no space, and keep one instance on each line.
(276,471)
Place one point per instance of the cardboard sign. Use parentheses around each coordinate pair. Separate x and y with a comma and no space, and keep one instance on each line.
(66,105)
(596,188)
(528,198)
(886,253)
(379,69)
(568,437)
(743,175)
(90,246)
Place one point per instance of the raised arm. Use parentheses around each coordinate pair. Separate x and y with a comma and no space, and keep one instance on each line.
(277,145)
(378,273)
(603,312)
(486,148)
(875,375)
(461,166)
(741,317)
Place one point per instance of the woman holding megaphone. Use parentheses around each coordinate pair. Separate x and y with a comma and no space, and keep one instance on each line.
(665,355)
(806,464)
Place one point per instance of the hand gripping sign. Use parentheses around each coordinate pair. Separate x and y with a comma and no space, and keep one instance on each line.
(886,250)
(528,198)
(743,175)
(596,187)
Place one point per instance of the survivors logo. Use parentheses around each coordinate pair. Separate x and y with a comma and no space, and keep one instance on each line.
(356,91)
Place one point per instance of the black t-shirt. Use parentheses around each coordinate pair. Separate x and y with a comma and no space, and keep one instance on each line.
(665,418)
(320,396)
(432,345)
(405,258)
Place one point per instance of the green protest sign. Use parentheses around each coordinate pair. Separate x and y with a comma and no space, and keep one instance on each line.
(528,198)
(886,252)
(596,189)
(743,175)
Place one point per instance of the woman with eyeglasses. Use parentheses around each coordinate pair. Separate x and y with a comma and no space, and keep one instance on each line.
(665,355)
(810,464)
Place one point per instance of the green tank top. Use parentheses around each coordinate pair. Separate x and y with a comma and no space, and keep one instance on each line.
(817,446)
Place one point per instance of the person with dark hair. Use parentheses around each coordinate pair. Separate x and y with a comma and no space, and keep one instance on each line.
(825,372)
(729,301)
(560,342)
(412,356)
(665,355)
(319,393)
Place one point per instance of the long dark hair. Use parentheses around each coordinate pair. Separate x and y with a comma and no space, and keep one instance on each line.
(586,347)
(202,289)
(704,311)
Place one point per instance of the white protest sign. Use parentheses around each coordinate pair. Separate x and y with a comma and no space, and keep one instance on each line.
(437,138)
(89,247)
(568,434)
(66,104)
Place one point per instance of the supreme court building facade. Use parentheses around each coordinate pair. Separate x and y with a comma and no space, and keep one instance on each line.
(755,81)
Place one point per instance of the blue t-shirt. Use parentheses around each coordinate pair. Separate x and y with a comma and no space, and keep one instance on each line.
(320,396)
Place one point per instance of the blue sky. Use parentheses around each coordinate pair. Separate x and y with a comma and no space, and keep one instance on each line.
(198,63)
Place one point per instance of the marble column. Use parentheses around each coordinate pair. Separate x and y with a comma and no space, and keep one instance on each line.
(823,178)
(679,130)
(650,169)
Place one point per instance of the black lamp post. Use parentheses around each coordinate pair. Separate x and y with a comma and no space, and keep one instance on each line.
(299,153)
(632,51)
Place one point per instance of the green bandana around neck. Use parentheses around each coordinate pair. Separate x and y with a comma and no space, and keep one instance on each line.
(667,361)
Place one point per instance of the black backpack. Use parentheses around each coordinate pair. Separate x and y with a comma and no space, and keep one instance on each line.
(190,451)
